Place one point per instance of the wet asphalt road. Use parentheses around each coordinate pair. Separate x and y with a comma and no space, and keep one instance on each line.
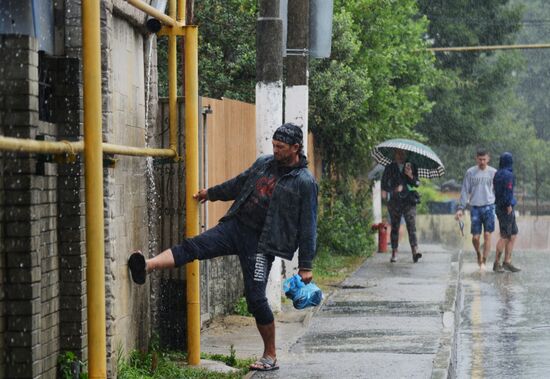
(504,329)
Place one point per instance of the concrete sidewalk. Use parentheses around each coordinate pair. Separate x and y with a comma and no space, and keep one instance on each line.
(385,321)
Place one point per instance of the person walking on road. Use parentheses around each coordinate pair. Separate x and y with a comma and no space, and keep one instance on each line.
(504,200)
(398,180)
(477,191)
(274,213)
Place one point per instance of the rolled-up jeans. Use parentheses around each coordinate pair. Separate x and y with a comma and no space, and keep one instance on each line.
(232,237)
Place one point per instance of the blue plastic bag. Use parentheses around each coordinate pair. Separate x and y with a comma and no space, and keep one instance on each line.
(302,295)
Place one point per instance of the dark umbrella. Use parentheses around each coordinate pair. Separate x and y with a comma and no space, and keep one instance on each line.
(428,163)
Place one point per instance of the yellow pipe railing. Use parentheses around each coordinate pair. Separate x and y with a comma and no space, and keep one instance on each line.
(172,81)
(93,173)
(93,149)
(153,12)
(191,187)
(75,147)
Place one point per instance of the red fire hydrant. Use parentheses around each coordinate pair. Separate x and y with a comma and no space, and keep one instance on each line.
(383,236)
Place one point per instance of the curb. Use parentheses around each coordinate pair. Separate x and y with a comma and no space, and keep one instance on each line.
(445,360)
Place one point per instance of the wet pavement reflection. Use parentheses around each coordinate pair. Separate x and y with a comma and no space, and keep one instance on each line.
(504,329)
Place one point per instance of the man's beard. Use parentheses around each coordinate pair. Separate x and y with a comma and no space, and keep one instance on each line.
(286,161)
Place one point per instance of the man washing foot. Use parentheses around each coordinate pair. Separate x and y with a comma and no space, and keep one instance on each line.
(274,213)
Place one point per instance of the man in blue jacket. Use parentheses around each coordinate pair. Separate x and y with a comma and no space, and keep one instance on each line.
(503,184)
(274,213)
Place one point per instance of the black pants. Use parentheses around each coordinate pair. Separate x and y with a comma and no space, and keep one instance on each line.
(232,237)
(397,210)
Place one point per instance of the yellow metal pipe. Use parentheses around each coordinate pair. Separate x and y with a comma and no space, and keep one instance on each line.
(109,148)
(191,187)
(74,147)
(151,11)
(181,11)
(42,147)
(489,48)
(172,82)
(93,174)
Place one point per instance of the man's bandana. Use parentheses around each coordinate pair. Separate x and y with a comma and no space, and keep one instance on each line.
(289,134)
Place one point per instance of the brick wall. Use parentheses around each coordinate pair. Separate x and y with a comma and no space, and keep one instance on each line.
(22,219)
(2,249)
(32,187)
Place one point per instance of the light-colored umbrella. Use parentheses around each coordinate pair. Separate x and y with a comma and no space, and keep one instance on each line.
(428,163)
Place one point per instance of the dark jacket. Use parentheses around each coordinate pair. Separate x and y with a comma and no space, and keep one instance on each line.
(393,177)
(503,182)
(291,220)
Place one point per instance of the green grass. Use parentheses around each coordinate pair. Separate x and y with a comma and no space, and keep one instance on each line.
(330,270)
(168,365)
(241,308)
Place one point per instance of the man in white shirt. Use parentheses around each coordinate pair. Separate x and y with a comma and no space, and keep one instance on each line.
(477,191)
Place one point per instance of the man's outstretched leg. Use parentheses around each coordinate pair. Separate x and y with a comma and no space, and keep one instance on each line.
(214,242)
(140,267)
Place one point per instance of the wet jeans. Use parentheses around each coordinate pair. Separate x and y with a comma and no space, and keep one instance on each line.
(232,237)
(398,210)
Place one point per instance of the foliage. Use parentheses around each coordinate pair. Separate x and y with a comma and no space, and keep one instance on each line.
(372,88)
(227,50)
(534,80)
(67,362)
(469,97)
(241,308)
(163,365)
(374,85)
(344,222)
(428,192)
(230,360)
(331,268)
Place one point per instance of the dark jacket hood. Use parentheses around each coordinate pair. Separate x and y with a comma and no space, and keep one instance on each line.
(506,161)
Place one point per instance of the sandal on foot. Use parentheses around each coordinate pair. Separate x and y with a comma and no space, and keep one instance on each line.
(265,364)
(136,264)
(416,257)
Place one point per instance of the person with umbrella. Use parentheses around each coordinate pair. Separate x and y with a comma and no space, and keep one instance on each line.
(406,161)
(398,179)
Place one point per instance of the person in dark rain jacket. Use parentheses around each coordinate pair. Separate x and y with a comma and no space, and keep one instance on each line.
(274,213)
(503,184)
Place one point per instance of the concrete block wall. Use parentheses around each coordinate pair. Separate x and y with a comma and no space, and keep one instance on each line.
(33,225)
(126,209)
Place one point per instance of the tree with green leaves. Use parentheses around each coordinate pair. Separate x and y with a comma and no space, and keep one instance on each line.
(227,50)
(374,85)
(468,97)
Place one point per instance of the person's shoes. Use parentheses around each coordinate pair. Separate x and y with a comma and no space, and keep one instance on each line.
(497,267)
(510,267)
(416,257)
(393,258)
(137,265)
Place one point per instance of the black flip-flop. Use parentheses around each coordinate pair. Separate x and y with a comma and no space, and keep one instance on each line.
(136,264)
(265,364)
